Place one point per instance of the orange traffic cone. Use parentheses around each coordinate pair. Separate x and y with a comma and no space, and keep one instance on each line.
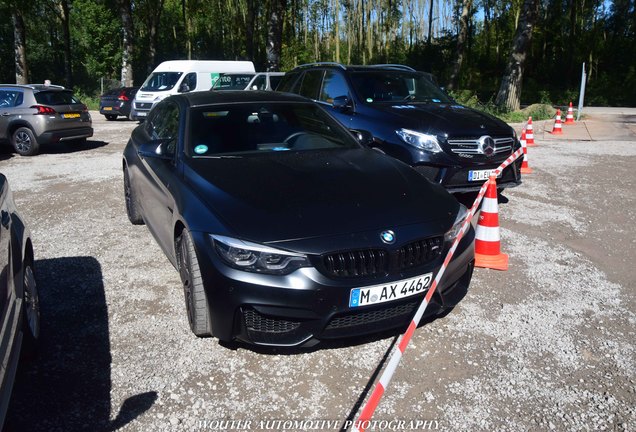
(557,129)
(530,134)
(525,168)
(569,118)
(487,241)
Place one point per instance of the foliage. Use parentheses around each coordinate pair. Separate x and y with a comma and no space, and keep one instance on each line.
(567,33)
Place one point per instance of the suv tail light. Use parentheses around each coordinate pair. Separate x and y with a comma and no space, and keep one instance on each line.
(43,109)
(123,97)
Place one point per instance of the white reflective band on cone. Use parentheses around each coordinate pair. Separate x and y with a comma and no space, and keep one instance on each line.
(484,233)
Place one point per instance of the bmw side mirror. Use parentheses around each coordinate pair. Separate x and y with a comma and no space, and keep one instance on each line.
(363,137)
(342,103)
(157,149)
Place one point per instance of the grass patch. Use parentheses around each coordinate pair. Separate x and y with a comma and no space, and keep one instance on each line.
(540,111)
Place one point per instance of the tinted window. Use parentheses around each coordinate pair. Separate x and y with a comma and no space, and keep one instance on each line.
(10,98)
(311,84)
(333,86)
(287,83)
(163,124)
(274,80)
(255,128)
(392,86)
(53,97)
(159,81)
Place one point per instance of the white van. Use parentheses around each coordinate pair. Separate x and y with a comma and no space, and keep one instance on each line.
(181,76)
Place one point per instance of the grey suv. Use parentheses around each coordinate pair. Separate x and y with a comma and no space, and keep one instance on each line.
(36,114)
(413,120)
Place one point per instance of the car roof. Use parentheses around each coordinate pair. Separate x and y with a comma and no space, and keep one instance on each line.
(238,96)
(392,67)
(35,86)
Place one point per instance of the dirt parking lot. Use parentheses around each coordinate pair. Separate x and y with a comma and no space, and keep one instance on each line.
(547,345)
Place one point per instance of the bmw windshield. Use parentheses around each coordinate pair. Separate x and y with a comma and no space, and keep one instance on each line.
(396,86)
(253,128)
(160,81)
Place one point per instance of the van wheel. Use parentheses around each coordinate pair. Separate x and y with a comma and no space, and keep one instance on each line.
(24,142)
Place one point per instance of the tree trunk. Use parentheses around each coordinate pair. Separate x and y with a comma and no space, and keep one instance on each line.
(275,34)
(509,95)
(153,33)
(19,46)
(66,32)
(461,44)
(430,24)
(252,6)
(127,42)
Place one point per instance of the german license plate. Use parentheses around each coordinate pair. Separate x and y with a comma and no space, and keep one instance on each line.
(481,174)
(391,291)
(141,114)
(108,108)
(71,115)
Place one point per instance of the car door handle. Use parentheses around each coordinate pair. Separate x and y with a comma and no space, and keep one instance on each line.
(6,219)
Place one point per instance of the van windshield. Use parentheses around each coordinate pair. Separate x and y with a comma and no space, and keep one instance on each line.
(160,81)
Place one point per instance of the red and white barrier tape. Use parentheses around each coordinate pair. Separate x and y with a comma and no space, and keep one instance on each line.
(364,420)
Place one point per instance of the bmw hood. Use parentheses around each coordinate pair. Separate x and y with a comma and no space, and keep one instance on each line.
(293,195)
(441,119)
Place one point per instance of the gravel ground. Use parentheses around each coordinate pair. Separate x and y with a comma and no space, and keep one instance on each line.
(547,345)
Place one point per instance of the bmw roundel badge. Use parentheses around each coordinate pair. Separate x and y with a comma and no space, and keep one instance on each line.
(388,237)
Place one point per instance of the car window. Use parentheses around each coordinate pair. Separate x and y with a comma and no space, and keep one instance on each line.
(334,85)
(274,80)
(259,83)
(163,124)
(52,97)
(160,81)
(256,128)
(189,82)
(311,84)
(287,83)
(10,98)
(394,86)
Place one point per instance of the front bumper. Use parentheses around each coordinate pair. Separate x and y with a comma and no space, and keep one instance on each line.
(306,306)
(455,179)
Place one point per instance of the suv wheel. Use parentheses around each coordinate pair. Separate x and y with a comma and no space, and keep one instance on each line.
(24,142)
(110,117)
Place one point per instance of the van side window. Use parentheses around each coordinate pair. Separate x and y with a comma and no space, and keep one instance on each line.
(189,83)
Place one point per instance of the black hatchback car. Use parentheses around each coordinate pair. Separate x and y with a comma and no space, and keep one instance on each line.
(413,120)
(117,102)
(284,228)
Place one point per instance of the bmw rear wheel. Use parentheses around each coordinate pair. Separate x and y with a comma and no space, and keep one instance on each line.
(195,297)
(24,142)
(132,205)
(31,312)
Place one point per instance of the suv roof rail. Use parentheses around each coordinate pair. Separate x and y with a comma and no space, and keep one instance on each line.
(45,87)
(394,66)
(321,64)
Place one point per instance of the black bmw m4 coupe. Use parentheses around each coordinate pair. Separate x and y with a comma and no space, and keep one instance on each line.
(285,228)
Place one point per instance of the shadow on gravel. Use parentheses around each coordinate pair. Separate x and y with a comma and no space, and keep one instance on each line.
(72,147)
(7,152)
(67,386)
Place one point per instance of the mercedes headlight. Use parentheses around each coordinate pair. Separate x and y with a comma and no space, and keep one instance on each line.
(452,233)
(253,257)
(420,140)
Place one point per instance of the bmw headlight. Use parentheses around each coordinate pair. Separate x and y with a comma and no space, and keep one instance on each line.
(452,233)
(253,257)
(420,140)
